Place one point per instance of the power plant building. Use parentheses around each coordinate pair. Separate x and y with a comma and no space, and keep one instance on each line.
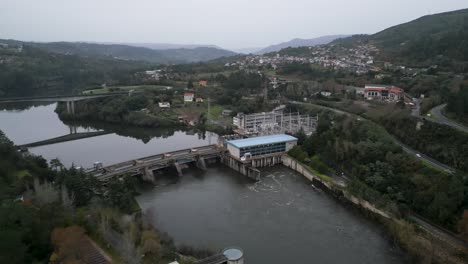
(264,146)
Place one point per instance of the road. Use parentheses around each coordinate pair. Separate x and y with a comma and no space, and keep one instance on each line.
(440,118)
(430,227)
(423,157)
(407,149)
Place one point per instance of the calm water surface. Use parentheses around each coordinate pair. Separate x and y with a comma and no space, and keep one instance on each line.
(41,122)
(281,219)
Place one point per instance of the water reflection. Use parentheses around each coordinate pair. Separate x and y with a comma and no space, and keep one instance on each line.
(40,122)
(21,106)
(31,122)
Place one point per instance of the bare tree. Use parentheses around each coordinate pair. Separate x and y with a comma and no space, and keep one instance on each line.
(45,193)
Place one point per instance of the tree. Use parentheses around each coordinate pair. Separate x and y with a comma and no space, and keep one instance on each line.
(81,186)
(190,84)
(463,225)
(56,164)
(120,194)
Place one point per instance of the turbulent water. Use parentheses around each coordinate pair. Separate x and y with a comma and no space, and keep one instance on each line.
(280,219)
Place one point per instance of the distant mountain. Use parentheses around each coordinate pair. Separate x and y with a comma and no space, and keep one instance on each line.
(125,52)
(301,43)
(247,50)
(163,46)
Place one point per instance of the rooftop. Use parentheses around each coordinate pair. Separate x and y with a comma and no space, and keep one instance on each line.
(255,141)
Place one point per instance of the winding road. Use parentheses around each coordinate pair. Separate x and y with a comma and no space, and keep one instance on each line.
(407,149)
(440,118)
(422,222)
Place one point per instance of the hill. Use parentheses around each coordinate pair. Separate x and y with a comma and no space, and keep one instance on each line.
(30,71)
(300,43)
(125,52)
(443,36)
(439,39)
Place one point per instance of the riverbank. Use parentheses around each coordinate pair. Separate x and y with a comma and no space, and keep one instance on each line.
(119,110)
(422,245)
(281,218)
(126,111)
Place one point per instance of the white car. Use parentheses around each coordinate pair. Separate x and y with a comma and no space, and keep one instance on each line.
(418,155)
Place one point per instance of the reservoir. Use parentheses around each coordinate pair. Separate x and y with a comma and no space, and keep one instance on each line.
(280,219)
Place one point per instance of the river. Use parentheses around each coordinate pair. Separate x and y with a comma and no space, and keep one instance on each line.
(280,219)
(41,122)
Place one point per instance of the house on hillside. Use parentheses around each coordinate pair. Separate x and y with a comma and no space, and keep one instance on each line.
(199,100)
(188,97)
(203,83)
(383,92)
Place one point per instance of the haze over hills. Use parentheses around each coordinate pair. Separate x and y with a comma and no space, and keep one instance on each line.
(439,39)
(297,42)
(162,46)
(247,50)
(126,52)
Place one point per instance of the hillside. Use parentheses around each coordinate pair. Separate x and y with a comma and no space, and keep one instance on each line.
(300,43)
(443,36)
(125,52)
(33,71)
(439,39)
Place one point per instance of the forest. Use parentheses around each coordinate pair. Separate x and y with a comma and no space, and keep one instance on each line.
(381,172)
(47,211)
(457,105)
(33,72)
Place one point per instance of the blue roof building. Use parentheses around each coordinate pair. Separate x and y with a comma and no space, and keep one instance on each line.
(272,145)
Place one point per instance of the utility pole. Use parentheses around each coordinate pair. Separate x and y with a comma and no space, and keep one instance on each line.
(209,112)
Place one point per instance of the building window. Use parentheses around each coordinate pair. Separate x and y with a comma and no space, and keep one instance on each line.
(264,149)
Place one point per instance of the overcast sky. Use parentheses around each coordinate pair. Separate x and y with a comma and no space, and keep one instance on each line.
(227,23)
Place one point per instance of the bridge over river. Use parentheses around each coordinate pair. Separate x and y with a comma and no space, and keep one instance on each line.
(68,99)
(58,98)
(147,165)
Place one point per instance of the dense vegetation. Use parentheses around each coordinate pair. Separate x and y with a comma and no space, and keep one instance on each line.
(434,39)
(47,211)
(443,143)
(133,110)
(34,72)
(381,172)
(458,103)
